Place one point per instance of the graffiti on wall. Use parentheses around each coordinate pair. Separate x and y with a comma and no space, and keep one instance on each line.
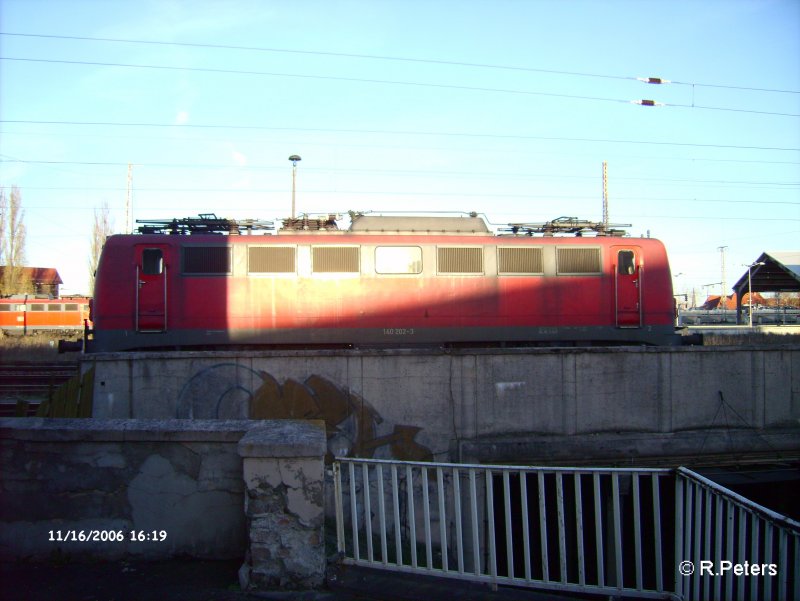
(353,427)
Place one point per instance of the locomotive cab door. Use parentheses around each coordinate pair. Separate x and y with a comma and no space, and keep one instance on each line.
(628,280)
(151,289)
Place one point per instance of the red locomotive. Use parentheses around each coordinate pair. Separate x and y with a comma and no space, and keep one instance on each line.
(387,280)
(27,314)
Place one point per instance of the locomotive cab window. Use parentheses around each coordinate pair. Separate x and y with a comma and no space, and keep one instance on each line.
(627,262)
(398,259)
(152,261)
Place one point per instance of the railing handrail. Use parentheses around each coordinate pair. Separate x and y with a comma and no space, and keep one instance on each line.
(737,499)
(598,530)
(498,467)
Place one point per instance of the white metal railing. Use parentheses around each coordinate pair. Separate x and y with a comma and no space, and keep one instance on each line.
(607,531)
(587,530)
(728,547)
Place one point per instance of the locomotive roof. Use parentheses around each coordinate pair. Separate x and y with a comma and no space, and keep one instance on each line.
(418,224)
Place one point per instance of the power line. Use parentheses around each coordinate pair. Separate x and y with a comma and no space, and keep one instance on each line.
(319,77)
(393,82)
(238,191)
(411,172)
(388,58)
(549,153)
(392,132)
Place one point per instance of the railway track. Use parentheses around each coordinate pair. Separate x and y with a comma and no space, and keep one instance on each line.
(31,382)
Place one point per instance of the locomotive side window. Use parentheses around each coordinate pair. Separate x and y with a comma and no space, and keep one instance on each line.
(71,307)
(627,265)
(460,260)
(5,307)
(335,259)
(573,261)
(519,260)
(271,259)
(152,261)
(36,307)
(206,260)
(54,307)
(398,259)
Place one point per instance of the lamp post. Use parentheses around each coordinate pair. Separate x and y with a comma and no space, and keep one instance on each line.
(294,159)
(750,291)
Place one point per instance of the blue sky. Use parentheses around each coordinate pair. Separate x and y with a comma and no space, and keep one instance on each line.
(507,108)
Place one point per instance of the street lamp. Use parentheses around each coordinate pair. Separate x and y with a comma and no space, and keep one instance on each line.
(750,290)
(294,159)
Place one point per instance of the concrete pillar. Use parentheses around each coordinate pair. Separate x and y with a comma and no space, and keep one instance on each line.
(283,463)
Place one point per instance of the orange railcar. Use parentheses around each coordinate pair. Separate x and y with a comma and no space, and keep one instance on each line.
(27,314)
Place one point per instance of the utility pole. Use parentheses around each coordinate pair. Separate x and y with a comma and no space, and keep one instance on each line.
(722,298)
(605,195)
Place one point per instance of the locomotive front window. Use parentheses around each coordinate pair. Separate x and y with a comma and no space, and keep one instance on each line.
(152,261)
(398,259)
(627,262)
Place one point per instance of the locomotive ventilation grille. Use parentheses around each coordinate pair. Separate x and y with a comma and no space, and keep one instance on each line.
(460,260)
(578,260)
(520,260)
(335,259)
(206,260)
(271,259)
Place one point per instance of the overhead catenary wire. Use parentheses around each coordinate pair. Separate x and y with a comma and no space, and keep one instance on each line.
(380,57)
(648,103)
(404,172)
(387,192)
(393,132)
(549,152)
(317,77)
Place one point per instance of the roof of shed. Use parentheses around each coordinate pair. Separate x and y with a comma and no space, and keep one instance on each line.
(780,272)
(40,275)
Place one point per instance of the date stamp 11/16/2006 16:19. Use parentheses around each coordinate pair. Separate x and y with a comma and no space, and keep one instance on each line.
(133,536)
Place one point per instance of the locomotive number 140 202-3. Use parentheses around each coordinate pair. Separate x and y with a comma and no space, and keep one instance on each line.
(398,331)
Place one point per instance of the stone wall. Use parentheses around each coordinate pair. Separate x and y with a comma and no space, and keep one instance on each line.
(157,489)
(284,505)
(171,480)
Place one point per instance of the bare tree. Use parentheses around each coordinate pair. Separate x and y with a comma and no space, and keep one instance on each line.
(101,230)
(12,244)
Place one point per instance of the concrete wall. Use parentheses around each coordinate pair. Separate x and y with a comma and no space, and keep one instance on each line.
(150,489)
(506,405)
(74,475)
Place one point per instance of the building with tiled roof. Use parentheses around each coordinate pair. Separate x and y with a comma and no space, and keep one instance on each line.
(45,280)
